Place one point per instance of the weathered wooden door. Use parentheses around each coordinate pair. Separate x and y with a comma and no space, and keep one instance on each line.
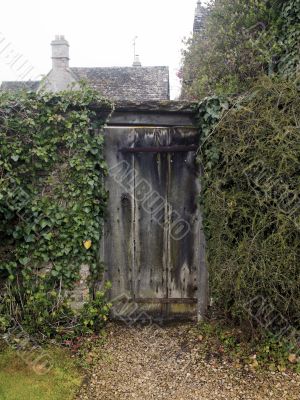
(152,234)
(153,246)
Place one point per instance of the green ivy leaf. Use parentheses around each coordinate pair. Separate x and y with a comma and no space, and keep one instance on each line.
(24,260)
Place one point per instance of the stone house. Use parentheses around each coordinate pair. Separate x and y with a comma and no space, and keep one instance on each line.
(136,83)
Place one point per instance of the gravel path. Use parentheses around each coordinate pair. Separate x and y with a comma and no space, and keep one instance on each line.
(154,363)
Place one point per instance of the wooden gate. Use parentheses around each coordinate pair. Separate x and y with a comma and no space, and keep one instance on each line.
(153,245)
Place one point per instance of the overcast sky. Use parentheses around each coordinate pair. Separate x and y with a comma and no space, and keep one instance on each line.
(100,32)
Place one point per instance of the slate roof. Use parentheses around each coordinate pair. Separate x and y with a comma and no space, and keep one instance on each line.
(14,86)
(117,83)
(128,83)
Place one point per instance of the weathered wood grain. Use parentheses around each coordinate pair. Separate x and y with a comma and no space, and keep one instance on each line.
(118,231)
(153,245)
(150,217)
(184,220)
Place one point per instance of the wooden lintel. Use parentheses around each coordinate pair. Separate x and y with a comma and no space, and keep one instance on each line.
(162,301)
(158,119)
(163,149)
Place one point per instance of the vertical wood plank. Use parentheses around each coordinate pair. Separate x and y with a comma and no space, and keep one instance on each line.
(203,277)
(150,212)
(118,229)
(183,195)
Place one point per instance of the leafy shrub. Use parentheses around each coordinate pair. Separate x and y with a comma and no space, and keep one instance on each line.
(288,36)
(237,346)
(230,52)
(250,200)
(241,41)
(45,314)
(94,314)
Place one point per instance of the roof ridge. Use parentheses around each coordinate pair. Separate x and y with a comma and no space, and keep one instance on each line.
(127,67)
(20,81)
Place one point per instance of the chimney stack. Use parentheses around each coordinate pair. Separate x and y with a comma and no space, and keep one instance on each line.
(60,52)
(137,62)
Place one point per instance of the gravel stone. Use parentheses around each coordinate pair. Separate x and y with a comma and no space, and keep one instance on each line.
(147,363)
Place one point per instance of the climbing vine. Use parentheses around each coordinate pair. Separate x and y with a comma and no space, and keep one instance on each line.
(52,199)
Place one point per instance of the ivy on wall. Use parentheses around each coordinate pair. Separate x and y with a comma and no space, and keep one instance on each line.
(52,198)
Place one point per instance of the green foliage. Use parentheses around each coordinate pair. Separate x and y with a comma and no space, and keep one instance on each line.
(41,312)
(250,199)
(288,34)
(52,198)
(230,52)
(268,352)
(45,314)
(94,314)
(241,41)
